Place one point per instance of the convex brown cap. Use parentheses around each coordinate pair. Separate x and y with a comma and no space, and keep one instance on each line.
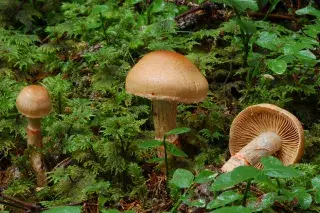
(260,118)
(34,102)
(167,75)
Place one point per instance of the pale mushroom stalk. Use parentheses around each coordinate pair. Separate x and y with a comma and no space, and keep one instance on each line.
(164,116)
(36,158)
(266,144)
(264,130)
(34,102)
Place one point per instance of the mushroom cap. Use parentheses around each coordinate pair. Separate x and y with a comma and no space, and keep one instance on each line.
(34,101)
(260,118)
(167,75)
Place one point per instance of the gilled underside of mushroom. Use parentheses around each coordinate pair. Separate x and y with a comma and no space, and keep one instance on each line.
(164,117)
(264,130)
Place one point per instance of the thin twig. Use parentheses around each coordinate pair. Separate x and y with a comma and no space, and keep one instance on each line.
(27,205)
(276,16)
(245,195)
(13,205)
(184,2)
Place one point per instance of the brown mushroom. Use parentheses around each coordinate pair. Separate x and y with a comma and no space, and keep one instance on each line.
(34,102)
(166,77)
(264,130)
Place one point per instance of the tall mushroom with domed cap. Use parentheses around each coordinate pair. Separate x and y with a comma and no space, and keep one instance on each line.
(166,77)
(34,102)
(264,130)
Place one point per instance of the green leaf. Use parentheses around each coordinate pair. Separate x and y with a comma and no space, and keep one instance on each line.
(132,2)
(247,26)
(274,168)
(282,172)
(264,202)
(312,30)
(175,151)
(200,203)
(271,161)
(223,199)
(304,199)
(262,178)
(182,178)
(316,182)
(150,144)
(309,42)
(155,160)
(157,6)
(243,173)
(286,195)
(294,47)
(111,211)
(223,181)
(269,41)
(277,66)
(309,10)
(307,56)
(232,209)
(317,196)
(64,209)
(100,9)
(241,5)
(205,176)
(178,131)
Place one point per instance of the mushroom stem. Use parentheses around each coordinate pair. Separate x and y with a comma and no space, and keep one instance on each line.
(35,141)
(164,116)
(265,144)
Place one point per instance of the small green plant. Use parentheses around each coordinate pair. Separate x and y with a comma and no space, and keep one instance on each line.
(228,188)
(169,148)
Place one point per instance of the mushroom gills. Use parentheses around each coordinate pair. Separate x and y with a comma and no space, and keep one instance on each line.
(265,144)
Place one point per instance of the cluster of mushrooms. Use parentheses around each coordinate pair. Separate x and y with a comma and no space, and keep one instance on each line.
(166,78)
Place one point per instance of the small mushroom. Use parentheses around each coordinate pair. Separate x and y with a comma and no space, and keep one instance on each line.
(34,102)
(166,77)
(264,130)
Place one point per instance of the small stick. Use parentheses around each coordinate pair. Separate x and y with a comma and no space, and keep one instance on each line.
(24,204)
(276,16)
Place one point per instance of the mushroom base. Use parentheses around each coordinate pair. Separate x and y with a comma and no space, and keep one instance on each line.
(35,142)
(266,144)
(164,117)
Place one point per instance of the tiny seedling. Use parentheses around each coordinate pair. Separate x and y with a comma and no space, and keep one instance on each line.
(168,147)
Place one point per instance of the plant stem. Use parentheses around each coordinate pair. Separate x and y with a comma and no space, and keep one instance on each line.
(245,39)
(166,157)
(103,26)
(12,205)
(177,204)
(22,203)
(274,4)
(279,185)
(245,195)
(59,103)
